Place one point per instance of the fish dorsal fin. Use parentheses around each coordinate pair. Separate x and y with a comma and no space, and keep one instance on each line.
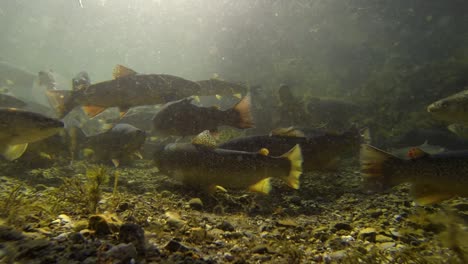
(426,195)
(416,153)
(122,71)
(263,186)
(264,151)
(204,139)
(287,132)
(92,110)
(12,152)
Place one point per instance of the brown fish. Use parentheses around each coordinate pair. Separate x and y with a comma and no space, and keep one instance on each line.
(182,118)
(127,89)
(434,178)
(201,164)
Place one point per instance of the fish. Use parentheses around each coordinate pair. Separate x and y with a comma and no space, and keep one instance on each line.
(128,89)
(19,127)
(453,108)
(460,130)
(10,101)
(117,145)
(433,177)
(321,150)
(427,148)
(201,164)
(182,118)
(435,136)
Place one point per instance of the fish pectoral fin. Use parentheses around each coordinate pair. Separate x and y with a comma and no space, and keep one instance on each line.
(115,162)
(12,152)
(92,110)
(122,71)
(263,186)
(426,195)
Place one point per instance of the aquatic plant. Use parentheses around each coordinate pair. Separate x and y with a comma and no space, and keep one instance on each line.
(96,177)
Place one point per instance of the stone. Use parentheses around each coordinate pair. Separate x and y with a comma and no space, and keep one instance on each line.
(260,249)
(175,246)
(368,234)
(386,245)
(383,238)
(196,204)
(133,233)
(226,226)
(121,253)
(104,224)
(343,226)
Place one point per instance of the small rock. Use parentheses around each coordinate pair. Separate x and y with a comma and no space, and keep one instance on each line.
(368,234)
(287,223)
(10,234)
(175,246)
(382,239)
(337,255)
(104,224)
(260,249)
(226,226)
(196,204)
(198,234)
(133,233)
(461,206)
(77,238)
(375,213)
(174,220)
(228,256)
(343,226)
(386,245)
(123,207)
(122,253)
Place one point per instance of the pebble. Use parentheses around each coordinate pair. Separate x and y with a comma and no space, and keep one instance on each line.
(368,234)
(196,204)
(174,220)
(121,253)
(175,245)
(104,224)
(386,245)
(227,256)
(226,226)
(133,233)
(343,226)
(382,238)
(260,249)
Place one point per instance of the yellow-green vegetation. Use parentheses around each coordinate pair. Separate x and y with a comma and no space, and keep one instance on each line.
(81,194)
(96,176)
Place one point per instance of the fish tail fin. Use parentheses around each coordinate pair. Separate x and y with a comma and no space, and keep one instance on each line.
(295,158)
(61,101)
(373,169)
(243,115)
